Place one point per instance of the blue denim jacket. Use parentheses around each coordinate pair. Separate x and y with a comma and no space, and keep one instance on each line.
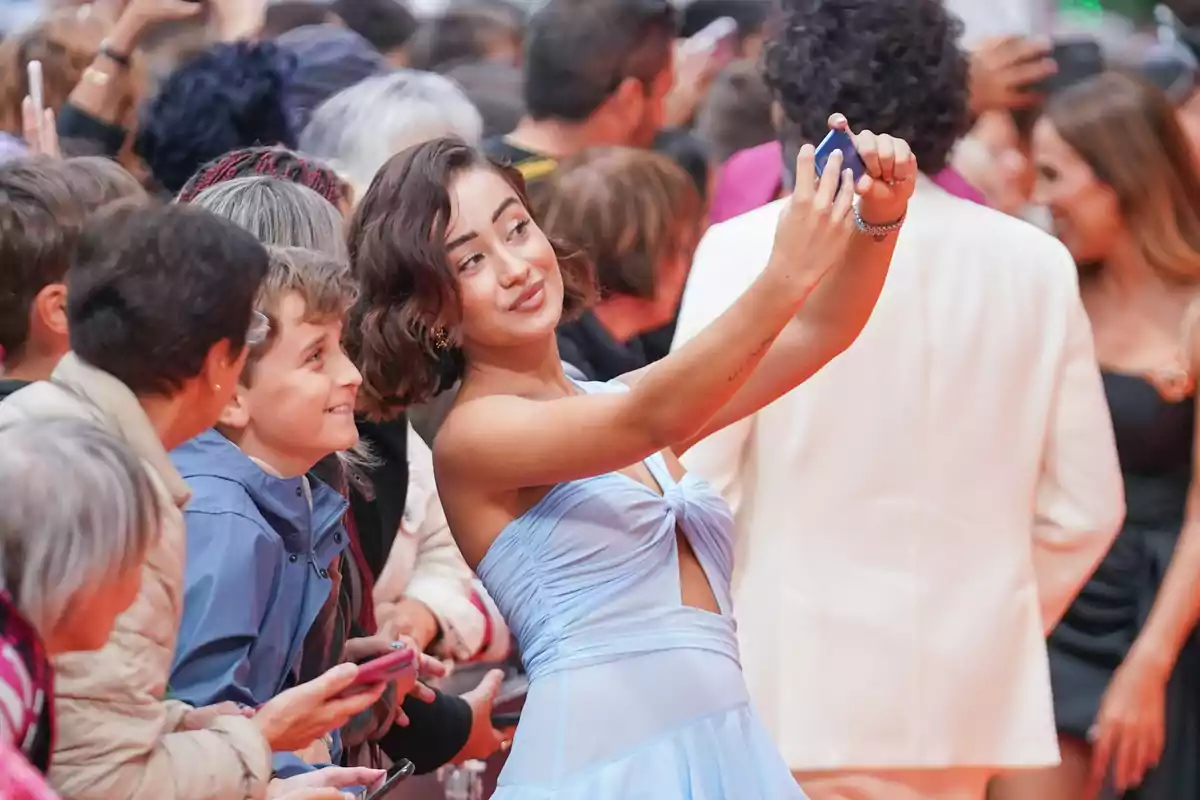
(257,574)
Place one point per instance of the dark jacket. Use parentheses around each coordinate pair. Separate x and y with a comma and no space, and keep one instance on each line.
(587,346)
(9,386)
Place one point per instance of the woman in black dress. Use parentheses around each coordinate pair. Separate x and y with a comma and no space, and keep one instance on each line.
(1118,176)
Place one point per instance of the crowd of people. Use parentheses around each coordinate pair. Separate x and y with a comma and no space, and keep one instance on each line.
(542,344)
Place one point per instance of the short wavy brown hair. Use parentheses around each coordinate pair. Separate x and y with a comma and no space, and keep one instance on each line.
(408,289)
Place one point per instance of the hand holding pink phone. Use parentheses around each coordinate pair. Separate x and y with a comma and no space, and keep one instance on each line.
(294,719)
(400,665)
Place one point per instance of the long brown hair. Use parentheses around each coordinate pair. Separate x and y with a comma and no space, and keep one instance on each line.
(397,242)
(1127,132)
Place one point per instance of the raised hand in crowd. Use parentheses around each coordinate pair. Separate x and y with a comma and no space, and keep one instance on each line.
(238,19)
(1004,69)
(294,719)
(695,70)
(40,130)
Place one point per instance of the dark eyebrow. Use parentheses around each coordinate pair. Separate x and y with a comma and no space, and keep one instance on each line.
(313,344)
(509,201)
(466,237)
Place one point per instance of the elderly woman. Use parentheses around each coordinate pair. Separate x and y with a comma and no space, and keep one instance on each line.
(359,129)
(78,515)
(276,210)
(70,564)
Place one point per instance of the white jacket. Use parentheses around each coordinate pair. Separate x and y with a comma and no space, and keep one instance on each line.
(915,517)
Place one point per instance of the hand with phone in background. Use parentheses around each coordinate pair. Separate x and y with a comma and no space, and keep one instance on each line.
(1006,72)
(39,125)
(697,61)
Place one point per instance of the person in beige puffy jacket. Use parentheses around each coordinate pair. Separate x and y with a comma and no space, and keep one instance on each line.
(153,362)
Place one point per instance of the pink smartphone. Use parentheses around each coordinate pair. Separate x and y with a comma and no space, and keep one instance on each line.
(400,663)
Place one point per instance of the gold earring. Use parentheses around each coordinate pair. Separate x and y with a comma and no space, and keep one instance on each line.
(440,340)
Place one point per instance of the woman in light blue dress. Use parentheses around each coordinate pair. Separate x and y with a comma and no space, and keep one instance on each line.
(611,565)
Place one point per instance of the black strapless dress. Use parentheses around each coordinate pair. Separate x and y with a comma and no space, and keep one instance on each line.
(1154,441)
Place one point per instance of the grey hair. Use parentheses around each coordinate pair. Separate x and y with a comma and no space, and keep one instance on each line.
(76,508)
(360,128)
(279,212)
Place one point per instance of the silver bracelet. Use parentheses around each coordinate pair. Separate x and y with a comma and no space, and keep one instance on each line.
(879,232)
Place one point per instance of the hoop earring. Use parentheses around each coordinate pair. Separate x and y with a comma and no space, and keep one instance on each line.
(440,340)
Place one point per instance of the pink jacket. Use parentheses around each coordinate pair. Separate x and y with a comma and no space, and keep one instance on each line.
(18,779)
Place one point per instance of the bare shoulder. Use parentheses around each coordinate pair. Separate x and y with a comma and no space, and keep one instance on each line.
(473,423)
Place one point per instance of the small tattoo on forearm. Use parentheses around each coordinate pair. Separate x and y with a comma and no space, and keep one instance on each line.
(751,362)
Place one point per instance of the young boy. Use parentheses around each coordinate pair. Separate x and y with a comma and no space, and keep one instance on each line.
(265,541)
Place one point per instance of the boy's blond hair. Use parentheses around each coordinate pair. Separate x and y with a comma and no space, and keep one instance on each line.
(324,283)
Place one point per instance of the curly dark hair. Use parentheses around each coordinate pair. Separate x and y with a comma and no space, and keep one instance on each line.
(891,66)
(230,96)
(269,162)
(408,288)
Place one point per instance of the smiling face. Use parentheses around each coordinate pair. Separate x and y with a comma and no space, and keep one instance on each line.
(509,283)
(297,405)
(1086,212)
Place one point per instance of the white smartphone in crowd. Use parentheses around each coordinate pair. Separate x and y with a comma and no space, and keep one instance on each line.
(37,93)
(36,87)
(719,38)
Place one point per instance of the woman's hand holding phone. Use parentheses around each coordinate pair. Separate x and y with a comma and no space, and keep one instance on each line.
(889,173)
(293,719)
(816,223)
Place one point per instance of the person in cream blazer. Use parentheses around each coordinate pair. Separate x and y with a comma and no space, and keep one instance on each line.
(914,519)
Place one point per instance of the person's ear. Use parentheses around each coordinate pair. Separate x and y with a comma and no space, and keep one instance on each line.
(50,306)
(223,365)
(235,416)
(627,104)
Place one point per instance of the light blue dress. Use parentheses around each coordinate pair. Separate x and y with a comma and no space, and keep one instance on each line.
(633,695)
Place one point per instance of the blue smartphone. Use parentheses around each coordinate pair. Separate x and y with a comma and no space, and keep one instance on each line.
(840,140)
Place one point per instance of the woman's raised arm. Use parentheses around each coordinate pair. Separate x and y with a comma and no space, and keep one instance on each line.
(507,442)
(839,308)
